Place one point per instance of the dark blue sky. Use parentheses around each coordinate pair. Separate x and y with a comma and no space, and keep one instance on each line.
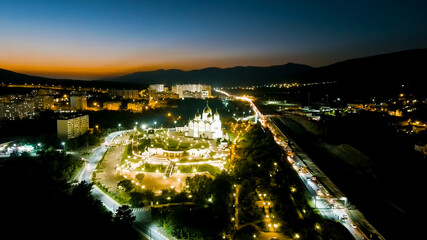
(88,39)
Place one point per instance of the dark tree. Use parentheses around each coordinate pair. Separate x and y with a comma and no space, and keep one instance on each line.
(126,185)
(124,215)
(140,177)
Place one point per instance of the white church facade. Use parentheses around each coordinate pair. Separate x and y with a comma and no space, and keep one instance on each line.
(207,125)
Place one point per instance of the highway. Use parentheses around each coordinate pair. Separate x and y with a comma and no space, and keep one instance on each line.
(326,197)
(140,224)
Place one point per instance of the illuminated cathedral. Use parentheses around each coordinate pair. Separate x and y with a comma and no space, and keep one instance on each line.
(205,125)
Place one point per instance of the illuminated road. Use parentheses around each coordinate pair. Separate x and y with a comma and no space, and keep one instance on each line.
(149,232)
(331,204)
(90,166)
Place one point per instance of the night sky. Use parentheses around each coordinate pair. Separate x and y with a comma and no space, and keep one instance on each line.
(93,39)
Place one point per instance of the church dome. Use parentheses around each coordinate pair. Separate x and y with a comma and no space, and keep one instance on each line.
(197,114)
(207,109)
(216,113)
(209,115)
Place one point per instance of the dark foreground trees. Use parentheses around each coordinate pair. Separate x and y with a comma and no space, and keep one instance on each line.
(37,202)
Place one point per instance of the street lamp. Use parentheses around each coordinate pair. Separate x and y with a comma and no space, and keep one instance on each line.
(63,145)
(120,126)
(155,125)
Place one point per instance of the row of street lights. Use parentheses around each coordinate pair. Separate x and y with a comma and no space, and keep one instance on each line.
(143,126)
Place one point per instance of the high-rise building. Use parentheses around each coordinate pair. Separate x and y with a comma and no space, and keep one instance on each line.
(136,106)
(125,94)
(43,102)
(112,106)
(192,90)
(156,87)
(17,108)
(78,102)
(72,127)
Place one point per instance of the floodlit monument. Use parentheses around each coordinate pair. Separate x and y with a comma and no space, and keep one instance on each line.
(205,125)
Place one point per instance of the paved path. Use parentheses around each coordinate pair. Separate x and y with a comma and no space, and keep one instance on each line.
(112,159)
(141,224)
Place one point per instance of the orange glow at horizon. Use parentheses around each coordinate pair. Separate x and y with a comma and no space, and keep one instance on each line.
(91,59)
(87,70)
(90,62)
(75,72)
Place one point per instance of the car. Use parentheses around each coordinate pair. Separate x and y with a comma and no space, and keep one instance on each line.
(273,238)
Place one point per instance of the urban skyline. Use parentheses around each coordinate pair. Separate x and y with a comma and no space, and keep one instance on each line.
(238,120)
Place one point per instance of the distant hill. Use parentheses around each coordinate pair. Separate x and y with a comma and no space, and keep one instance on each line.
(10,77)
(7,76)
(393,72)
(368,75)
(220,76)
